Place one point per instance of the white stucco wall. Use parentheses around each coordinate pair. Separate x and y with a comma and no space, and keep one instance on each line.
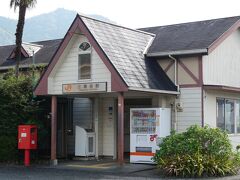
(221,67)
(66,70)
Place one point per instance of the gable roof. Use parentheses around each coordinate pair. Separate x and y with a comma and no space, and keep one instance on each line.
(122,51)
(125,49)
(189,38)
(42,56)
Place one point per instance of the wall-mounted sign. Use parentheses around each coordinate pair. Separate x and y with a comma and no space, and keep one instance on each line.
(84,87)
(84,46)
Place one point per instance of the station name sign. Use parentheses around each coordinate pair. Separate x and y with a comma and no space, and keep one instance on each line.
(84,87)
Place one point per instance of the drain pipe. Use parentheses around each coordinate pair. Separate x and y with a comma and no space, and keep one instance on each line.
(175,82)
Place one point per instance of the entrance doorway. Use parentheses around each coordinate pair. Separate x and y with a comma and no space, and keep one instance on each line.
(64,125)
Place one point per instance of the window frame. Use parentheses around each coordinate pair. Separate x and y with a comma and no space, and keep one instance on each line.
(235,100)
(81,52)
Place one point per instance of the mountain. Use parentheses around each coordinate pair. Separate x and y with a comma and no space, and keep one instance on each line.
(47,26)
(7,30)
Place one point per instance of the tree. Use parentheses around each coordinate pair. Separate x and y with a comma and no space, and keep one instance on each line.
(22,6)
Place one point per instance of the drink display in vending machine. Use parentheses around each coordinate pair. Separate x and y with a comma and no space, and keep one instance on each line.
(147,127)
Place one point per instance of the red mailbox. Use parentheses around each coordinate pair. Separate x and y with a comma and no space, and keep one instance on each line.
(27,137)
(27,140)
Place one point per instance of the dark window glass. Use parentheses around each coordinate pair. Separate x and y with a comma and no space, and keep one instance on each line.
(237,114)
(220,114)
(84,65)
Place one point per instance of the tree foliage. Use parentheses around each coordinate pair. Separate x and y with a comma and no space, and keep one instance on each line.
(17,106)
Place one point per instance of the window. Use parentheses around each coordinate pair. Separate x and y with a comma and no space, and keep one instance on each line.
(84,66)
(220,113)
(228,115)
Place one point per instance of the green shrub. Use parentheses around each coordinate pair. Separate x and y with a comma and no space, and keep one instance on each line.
(197,152)
(17,106)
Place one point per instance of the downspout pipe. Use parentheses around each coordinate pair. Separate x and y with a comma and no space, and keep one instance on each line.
(175,82)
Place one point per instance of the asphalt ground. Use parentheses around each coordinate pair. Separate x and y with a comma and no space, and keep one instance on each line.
(87,170)
(69,172)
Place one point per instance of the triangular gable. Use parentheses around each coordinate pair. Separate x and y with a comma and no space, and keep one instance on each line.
(225,35)
(117,83)
(31,48)
(23,52)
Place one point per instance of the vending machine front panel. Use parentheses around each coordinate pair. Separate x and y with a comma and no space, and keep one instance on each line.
(144,134)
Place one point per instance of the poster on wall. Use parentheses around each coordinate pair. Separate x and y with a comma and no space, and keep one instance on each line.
(144,121)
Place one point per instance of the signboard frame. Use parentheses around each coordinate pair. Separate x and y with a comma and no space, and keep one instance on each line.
(84,87)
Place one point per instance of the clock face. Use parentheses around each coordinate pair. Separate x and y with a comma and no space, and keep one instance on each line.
(84,46)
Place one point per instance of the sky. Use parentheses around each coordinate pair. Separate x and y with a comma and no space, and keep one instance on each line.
(137,13)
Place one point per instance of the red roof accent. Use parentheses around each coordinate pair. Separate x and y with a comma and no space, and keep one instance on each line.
(117,83)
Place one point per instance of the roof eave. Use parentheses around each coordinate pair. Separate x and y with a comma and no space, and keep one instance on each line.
(222,88)
(180,52)
(153,90)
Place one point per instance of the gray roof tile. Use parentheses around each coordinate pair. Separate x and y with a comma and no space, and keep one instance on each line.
(124,48)
(188,36)
(43,56)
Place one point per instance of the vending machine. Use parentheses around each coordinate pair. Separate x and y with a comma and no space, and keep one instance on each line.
(147,128)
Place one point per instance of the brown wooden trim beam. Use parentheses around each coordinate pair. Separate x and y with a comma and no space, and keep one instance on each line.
(169,66)
(54,130)
(200,70)
(188,71)
(120,128)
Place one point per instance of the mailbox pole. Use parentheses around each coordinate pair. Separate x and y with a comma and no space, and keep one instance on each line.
(27,157)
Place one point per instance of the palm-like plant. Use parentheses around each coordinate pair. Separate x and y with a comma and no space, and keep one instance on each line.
(22,6)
